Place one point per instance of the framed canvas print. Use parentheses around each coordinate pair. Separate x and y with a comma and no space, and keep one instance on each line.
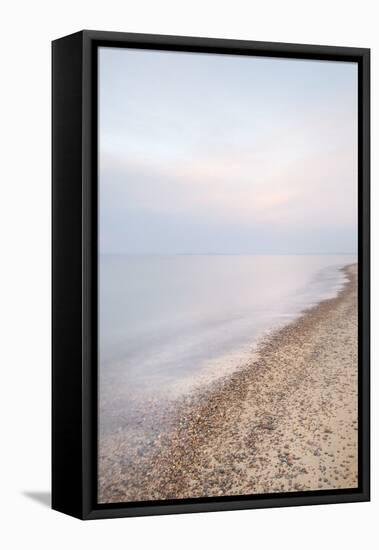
(210,274)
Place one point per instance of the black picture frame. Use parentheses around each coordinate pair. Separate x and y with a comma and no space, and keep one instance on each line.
(74,272)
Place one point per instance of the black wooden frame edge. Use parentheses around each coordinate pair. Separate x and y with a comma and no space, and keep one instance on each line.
(364,275)
(67,129)
(78,499)
(193,43)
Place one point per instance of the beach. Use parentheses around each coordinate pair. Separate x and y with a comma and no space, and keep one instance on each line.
(286,421)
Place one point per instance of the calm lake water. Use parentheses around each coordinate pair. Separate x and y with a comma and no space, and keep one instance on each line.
(167,323)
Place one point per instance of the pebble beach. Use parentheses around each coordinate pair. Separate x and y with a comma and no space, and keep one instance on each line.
(287,421)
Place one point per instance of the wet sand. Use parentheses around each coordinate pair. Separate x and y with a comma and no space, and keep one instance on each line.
(285,422)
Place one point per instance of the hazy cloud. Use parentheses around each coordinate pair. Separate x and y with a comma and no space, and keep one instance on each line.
(204,153)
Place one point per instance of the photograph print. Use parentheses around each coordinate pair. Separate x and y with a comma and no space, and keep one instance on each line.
(227,275)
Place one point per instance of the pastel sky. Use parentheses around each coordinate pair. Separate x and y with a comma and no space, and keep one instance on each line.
(207,153)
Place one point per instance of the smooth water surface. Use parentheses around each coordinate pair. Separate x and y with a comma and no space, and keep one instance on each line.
(168,322)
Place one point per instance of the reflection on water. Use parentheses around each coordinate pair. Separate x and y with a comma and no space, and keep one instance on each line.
(166,323)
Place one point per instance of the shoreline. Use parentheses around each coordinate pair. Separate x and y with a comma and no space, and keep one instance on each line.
(285,422)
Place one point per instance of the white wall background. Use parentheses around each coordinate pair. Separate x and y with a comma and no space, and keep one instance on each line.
(26,31)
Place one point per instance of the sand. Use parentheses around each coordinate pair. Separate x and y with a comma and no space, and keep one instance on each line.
(288,421)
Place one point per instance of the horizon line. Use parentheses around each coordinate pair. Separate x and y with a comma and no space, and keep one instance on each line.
(228,254)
